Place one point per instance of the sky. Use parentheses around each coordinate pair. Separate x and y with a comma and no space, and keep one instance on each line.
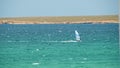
(26,8)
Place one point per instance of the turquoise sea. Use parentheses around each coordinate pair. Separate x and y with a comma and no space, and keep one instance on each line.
(53,46)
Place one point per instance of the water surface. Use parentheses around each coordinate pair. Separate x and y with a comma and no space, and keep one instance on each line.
(53,46)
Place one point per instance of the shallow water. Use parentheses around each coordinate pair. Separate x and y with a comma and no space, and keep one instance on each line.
(54,46)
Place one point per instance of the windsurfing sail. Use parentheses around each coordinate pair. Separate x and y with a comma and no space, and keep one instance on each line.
(77,35)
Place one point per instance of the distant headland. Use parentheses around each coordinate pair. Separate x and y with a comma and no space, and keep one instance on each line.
(61,20)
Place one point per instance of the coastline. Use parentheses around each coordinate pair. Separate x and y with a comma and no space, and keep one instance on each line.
(61,20)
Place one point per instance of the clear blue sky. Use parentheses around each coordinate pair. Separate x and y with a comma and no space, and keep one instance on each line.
(20,8)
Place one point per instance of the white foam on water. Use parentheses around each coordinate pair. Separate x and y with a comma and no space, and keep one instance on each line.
(70,58)
(37,49)
(84,58)
(60,31)
(69,41)
(43,55)
(35,63)
(94,39)
(32,51)
(82,62)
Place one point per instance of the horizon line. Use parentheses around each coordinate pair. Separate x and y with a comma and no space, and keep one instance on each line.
(60,16)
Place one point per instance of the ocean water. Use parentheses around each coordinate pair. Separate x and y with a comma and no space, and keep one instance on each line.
(54,46)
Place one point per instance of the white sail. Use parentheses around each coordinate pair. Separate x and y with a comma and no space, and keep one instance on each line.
(77,35)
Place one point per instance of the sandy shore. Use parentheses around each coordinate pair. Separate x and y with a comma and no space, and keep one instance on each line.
(60,20)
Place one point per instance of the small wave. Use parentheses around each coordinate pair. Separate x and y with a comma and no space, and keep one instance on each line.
(23,41)
(17,41)
(67,41)
(82,62)
(11,41)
